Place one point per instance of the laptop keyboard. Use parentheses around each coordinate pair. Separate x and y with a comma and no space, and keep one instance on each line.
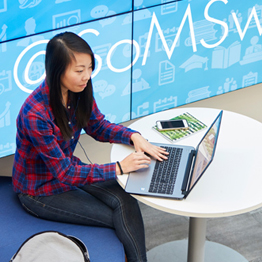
(165,172)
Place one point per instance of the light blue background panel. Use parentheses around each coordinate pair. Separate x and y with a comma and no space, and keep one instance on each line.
(151,55)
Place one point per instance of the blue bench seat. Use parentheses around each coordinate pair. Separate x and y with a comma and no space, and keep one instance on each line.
(16,225)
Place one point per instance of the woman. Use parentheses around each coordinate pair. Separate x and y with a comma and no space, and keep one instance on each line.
(50,181)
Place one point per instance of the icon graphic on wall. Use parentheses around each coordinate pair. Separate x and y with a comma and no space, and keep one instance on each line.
(142,43)
(168,8)
(66,19)
(3,6)
(102,51)
(5,81)
(28,3)
(61,1)
(231,22)
(253,53)
(3,38)
(103,11)
(166,103)
(250,79)
(229,85)
(7,149)
(166,73)
(5,116)
(203,29)
(138,16)
(30,26)
(103,88)
(142,110)
(195,61)
(225,57)
(259,15)
(198,94)
(170,35)
(139,83)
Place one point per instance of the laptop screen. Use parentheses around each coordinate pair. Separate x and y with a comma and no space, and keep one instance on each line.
(205,151)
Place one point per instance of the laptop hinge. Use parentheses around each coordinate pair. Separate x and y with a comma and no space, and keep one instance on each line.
(187,172)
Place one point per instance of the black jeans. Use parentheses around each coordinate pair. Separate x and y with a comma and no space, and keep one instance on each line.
(103,204)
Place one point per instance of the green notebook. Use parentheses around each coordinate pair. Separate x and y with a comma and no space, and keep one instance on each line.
(173,135)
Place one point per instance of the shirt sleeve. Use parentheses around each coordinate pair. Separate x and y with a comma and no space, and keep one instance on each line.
(102,130)
(64,168)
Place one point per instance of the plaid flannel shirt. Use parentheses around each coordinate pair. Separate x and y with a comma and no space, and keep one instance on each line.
(44,163)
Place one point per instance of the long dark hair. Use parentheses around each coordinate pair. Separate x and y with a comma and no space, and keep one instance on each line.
(59,54)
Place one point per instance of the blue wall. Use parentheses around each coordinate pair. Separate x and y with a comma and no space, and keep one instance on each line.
(182,52)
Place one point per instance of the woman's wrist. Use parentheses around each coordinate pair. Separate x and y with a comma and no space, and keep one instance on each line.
(119,169)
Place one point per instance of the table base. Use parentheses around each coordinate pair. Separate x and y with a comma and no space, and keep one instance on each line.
(177,251)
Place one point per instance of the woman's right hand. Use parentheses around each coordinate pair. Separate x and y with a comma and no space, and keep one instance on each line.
(133,162)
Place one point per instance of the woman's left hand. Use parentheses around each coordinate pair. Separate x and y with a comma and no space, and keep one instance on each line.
(142,145)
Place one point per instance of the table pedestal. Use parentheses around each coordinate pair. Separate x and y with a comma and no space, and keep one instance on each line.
(196,249)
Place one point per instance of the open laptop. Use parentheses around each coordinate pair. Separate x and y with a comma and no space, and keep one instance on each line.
(186,168)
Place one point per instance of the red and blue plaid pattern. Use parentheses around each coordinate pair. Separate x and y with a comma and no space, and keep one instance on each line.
(44,163)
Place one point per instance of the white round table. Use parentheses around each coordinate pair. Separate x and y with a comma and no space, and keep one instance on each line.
(230,186)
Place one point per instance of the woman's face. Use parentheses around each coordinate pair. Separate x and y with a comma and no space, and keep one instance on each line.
(77,74)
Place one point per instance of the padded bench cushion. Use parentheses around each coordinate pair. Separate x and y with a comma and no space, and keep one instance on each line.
(16,225)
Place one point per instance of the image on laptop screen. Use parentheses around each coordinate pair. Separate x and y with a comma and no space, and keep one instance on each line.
(205,151)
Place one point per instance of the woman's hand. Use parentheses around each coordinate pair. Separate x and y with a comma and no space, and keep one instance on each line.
(133,162)
(142,145)
(139,159)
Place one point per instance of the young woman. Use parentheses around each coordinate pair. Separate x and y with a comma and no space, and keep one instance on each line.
(50,181)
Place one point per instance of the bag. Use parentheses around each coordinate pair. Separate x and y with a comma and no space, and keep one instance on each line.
(51,246)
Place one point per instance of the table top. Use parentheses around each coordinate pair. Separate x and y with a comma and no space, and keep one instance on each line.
(232,183)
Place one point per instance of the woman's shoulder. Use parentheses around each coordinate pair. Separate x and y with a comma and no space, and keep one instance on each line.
(37,103)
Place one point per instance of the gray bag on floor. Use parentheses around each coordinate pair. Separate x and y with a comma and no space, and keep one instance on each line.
(51,246)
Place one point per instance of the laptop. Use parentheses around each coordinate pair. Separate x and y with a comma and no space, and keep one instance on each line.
(176,177)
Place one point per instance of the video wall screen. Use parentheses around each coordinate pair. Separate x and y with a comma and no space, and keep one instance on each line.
(151,55)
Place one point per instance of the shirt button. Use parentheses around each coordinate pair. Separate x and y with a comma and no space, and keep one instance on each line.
(72,137)
(68,107)
(69,123)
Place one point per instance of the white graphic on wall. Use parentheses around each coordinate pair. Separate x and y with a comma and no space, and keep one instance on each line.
(142,43)
(111,118)
(225,57)
(138,16)
(139,83)
(5,81)
(203,30)
(7,149)
(198,94)
(103,11)
(250,79)
(195,61)
(166,103)
(168,8)
(61,1)
(3,38)
(66,19)
(169,35)
(231,21)
(5,119)
(230,84)
(258,9)
(35,68)
(102,51)
(28,3)
(3,6)
(166,73)
(103,88)
(253,53)
(30,26)
(142,110)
